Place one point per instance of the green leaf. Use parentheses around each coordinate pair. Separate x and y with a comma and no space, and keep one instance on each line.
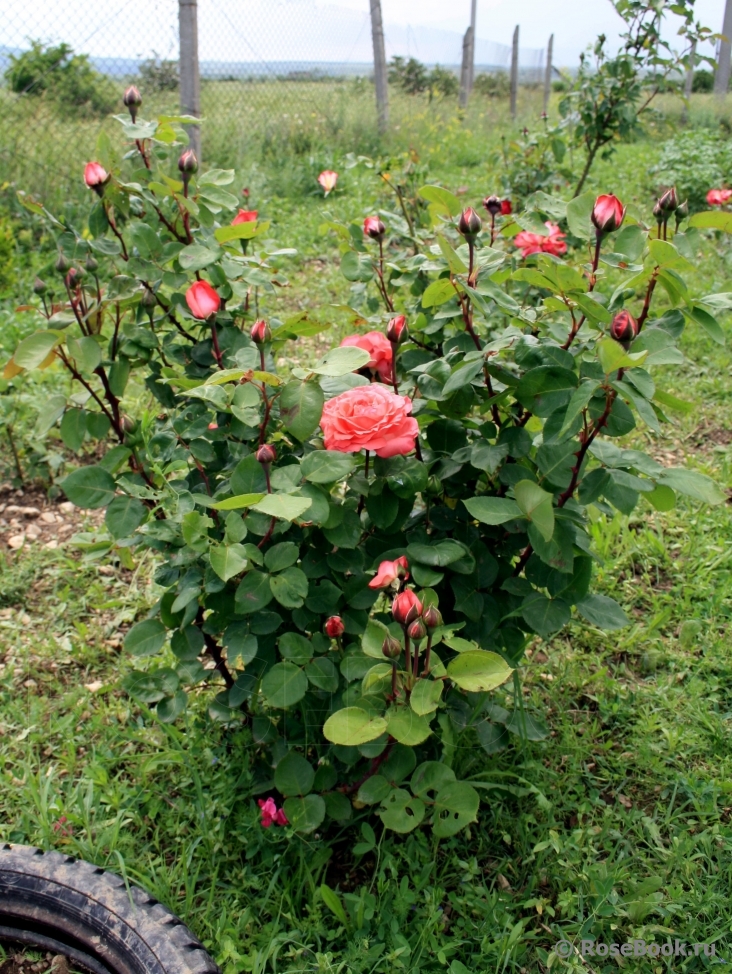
(281,556)
(492,510)
(692,484)
(579,211)
(425,696)
(332,901)
(400,812)
(242,231)
(294,775)
(290,588)
(444,199)
(662,498)
(227,560)
(613,356)
(73,428)
(546,388)
(171,708)
(437,555)
(241,646)
(454,262)
(630,242)
(253,593)
(284,685)
(305,814)
(89,487)
(592,309)
(373,639)
(438,292)
(326,466)
(666,399)
(456,806)
(146,638)
(301,406)
(478,670)
(195,257)
(35,349)
(236,503)
(712,220)
(353,726)
(284,506)
(124,515)
(577,403)
(429,778)
(341,361)
(406,726)
(544,615)
(536,504)
(374,789)
(322,674)
(603,612)
(709,323)
(86,353)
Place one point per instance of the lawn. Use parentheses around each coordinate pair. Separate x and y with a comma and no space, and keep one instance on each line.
(615,826)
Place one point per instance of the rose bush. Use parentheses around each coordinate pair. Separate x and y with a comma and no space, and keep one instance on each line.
(353,555)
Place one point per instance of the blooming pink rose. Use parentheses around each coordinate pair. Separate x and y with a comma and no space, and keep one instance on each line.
(202,300)
(372,418)
(244,216)
(328,180)
(95,176)
(718,197)
(379,348)
(271,813)
(534,243)
(390,571)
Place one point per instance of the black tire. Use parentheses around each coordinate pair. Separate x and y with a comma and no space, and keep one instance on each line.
(93,917)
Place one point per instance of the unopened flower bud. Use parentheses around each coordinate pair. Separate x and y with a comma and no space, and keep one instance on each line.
(669,200)
(213,426)
(73,278)
(62,264)
(96,177)
(432,617)
(406,607)
(396,330)
(417,630)
(266,453)
(608,213)
(374,228)
(658,213)
(128,425)
(132,99)
(261,333)
(391,647)
(148,299)
(624,327)
(469,223)
(493,205)
(334,627)
(188,164)
(434,485)
(91,263)
(682,211)
(40,287)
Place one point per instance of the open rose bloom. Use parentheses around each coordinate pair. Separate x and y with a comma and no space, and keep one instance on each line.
(203,301)
(271,814)
(244,216)
(718,197)
(535,243)
(369,418)
(389,572)
(328,180)
(379,348)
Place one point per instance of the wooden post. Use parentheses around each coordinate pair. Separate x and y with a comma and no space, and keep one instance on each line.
(190,81)
(465,70)
(689,82)
(471,56)
(380,76)
(721,75)
(548,72)
(514,70)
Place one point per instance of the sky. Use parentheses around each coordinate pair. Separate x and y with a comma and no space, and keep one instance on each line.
(319,30)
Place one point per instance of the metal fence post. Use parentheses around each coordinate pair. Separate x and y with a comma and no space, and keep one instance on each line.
(514,70)
(380,75)
(548,72)
(190,81)
(721,75)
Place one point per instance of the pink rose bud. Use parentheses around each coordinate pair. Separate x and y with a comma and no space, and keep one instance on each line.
(391,647)
(669,200)
(608,213)
(132,99)
(432,617)
(493,205)
(328,180)
(396,330)
(506,208)
(406,607)
(244,216)
(261,332)
(334,627)
(213,426)
(374,228)
(624,327)
(203,301)
(73,278)
(188,164)
(266,453)
(245,192)
(96,177)
(417,630)
(469,223)
(389,572)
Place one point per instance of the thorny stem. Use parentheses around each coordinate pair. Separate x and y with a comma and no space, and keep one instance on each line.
(647,302)
(493,228)
(216,349)
(394,382)
(115,230)
(380,274)
(214,651)
(427,652)
(577,324)
(169,314)
(415,665)
(261,359)
(186,214)
(100,402)
(407,651)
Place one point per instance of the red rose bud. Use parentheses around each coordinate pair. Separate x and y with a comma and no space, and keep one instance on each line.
(417,630)
(624,327)
(432,617)
(608,213)
(493,205)
(96,177)
(669,200)
(506,208)
(266,453)
(261,332)
(469,223)
(244,216)
(132,100)
(374,228)
(73,278)
(202,300)
(396,330)
(391,647)
(334,627)
(245,192)
(188,164)
(406,607)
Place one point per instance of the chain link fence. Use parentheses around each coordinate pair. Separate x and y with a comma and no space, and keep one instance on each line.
(294,73)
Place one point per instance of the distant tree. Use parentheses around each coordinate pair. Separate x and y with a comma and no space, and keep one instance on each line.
(411,76)
(62,76)
(703,81)
(442,81)
(157,74)
(494,85)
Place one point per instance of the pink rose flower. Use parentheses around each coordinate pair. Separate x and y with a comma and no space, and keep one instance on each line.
(244,216)
(328,180)
(202,300)
(534,243)
(718,197)
(369,418)
(95,177)
(271,813)
(389,572)
(608,213)
(379,348)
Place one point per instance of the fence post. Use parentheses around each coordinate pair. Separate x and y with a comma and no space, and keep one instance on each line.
(721,75)
(689,82)
(190,81)
(465,69)
(514,70)
(548,72)
(380,76)
(471,53)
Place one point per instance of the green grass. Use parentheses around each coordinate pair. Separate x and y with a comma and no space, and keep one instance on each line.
(615,826)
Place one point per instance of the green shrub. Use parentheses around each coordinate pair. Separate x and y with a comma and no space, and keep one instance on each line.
(493,85)
(66,78)
(694,162)
(159,75)
(703,81)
